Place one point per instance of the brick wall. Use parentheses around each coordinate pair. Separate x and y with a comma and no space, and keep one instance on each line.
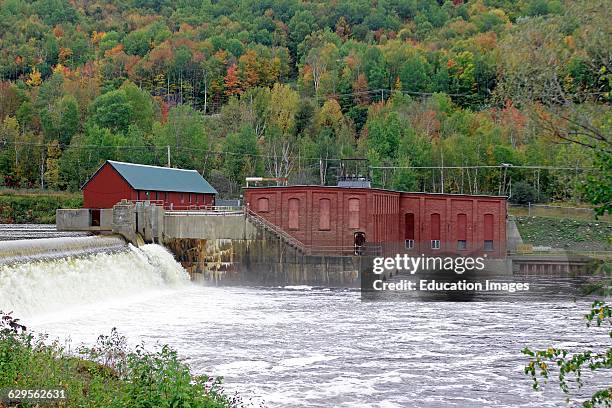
(381,214)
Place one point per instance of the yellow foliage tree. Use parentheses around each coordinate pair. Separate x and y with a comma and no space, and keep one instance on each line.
(35,78)
(53,171)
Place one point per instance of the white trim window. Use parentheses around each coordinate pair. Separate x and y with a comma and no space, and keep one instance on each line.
(435,244)
(409,243)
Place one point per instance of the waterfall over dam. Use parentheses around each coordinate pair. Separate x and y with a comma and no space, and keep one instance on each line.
(49,275)
(55,248)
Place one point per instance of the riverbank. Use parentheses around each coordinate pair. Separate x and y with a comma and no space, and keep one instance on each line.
(34,206)
(106,374)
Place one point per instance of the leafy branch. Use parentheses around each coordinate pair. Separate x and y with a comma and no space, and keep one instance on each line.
(543,362)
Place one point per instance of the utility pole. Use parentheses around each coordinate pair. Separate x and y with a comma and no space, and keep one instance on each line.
(321,171)
(502,182)
(442,170)
(168,147)
(42,168)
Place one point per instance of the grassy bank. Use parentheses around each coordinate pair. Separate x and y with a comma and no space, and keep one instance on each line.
(565,233)
(33,206)
(105,375)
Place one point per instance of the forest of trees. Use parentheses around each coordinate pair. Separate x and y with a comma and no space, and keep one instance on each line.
(287,87)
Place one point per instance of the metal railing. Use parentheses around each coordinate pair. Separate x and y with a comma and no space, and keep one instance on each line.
(158,203)
(289,239)
(189,207)
(195,207)
(368,249)
(205,210)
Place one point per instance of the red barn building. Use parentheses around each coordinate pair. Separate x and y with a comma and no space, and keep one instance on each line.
(420,223)
(176,188)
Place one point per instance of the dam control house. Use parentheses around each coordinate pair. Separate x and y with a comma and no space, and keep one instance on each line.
(175,189)
(343,217)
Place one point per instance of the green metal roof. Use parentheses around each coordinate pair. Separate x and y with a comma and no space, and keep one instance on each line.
(153,178)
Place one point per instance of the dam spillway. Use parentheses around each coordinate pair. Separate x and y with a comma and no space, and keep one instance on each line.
(54,248)
(13,232)
(51,275)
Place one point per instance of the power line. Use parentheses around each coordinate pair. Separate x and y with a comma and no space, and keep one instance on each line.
(331,159)
(500,166)
(382,91)
(210,151)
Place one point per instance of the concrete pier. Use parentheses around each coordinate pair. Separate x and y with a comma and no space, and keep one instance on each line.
(155,224)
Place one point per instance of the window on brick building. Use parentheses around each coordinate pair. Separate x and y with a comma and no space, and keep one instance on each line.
(294,213)
(263,205)
(461,231)
(488,232)
(409,230)
(324,214)
(353,213)
(435,231)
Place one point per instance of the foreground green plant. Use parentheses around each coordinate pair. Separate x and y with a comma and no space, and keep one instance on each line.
(105,375)
(570,365)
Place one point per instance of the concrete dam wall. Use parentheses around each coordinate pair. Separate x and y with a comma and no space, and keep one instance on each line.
(236,251)
(264,260)
(221,247)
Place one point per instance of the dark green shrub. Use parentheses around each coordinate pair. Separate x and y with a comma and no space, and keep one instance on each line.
(523,193)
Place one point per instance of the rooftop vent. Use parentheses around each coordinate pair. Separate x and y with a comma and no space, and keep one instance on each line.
(353,173)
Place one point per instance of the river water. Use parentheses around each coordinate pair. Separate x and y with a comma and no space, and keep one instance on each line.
(302,346)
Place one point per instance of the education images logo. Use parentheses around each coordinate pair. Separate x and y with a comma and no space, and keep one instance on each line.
(402,264)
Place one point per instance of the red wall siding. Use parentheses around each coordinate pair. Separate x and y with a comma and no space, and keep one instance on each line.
(106,189)
(180,201)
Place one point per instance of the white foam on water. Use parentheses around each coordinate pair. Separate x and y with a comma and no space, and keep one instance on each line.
(297,287)
(37,288)
(304,361)
(242,367)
